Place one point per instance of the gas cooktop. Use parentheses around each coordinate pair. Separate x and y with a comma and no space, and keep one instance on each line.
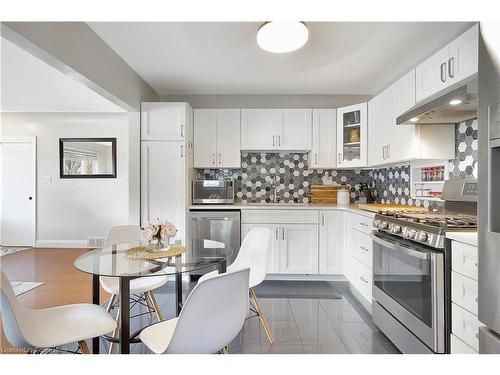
(427,228)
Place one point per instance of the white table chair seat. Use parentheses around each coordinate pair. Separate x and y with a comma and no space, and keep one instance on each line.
(137,286)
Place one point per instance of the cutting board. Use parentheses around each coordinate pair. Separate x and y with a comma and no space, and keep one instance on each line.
(325,194)
(375,207)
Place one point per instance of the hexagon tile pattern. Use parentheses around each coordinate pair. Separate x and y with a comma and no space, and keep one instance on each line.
(466,151)
(289,172)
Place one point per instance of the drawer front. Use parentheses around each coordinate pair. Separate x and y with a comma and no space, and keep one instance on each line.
(362,248)
(465,326)
(276,216)
(464,259)
(464,292)
(362,223)
(460,347)
(362,280)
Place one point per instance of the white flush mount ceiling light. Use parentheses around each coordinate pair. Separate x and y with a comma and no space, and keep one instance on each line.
(455,102)
(414,119)
(281,37)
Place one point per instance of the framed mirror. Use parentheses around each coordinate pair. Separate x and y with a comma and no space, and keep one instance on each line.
(87,157)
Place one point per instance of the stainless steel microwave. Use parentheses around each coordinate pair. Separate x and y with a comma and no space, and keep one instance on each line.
(213,191)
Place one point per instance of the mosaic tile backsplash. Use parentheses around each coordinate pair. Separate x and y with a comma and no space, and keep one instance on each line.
(262,175)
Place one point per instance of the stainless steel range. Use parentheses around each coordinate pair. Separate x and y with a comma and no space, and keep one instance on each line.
(412,270)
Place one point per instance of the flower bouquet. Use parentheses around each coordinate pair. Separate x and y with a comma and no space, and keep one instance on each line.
(158,234)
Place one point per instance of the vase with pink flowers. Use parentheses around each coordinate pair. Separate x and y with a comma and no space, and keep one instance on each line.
(158,234)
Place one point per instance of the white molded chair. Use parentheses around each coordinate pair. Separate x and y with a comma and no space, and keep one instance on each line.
(52,327)
(212,316)
(141,286)
(253,254)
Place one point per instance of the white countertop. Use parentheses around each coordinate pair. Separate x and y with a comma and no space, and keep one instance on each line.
(282,206)
(469,238)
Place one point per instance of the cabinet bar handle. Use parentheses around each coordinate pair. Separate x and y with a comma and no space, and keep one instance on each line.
(451,67)
(363,279)
(339,161)
(363,224)
(273,140)
(182,151)
(363,248)
(316,158)
(443,72)
(279,140)
(283,233)
(388,151)
(220,158)
(323,219)
(182,131)
(276,233)
(213,158)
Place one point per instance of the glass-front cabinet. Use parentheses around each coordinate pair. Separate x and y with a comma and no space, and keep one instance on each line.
(352,136)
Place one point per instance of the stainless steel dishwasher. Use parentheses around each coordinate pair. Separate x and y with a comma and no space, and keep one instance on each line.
(217,225)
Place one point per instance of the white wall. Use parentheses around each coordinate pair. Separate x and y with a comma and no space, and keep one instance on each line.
(71,210)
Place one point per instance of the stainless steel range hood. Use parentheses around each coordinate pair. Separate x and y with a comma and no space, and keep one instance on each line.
(450,106)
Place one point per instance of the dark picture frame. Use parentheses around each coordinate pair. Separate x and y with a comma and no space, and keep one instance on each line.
(62,141)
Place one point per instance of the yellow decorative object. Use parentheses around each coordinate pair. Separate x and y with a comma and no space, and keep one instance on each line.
(354,135)
(140,252)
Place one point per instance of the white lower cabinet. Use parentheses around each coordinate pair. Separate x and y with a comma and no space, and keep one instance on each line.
(464,297)
(299,249)
(331,242)
(362,279)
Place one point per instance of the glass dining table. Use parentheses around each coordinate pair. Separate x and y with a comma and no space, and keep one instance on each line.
(206,255)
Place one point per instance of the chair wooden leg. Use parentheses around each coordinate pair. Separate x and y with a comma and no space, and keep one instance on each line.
(148,305)
(155,304)
(111,302)
(111,344)
(83,347)
(224,350)
(262,318)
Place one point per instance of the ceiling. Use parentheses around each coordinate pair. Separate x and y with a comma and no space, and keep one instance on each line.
(223,57)
(29,84)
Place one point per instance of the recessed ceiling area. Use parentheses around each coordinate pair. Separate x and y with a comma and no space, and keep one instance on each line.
(29,84)
(190,58)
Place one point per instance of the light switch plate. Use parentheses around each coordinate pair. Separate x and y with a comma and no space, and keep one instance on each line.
(47,179)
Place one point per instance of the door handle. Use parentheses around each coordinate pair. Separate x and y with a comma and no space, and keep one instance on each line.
(451,67)
(182,131)
(443,72)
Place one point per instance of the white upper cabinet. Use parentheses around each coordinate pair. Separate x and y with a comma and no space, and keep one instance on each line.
(276,129)
(163,121)
(389,143)
(228,138)
(380,127)
(205,140)
(296,132)
(217,138)
(259,128)
(352,136)
(453,63)
(404,141)
(324,139)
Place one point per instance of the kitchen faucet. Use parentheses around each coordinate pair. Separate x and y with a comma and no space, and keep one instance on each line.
(274,189)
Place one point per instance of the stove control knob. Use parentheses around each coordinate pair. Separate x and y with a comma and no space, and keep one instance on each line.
(384,224)
(422,236)
(396,229)
(376,223)
(411,233)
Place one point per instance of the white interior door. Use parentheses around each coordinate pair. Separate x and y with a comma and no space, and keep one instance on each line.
(18,193)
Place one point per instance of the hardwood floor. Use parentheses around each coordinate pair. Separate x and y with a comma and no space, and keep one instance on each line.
(64,284)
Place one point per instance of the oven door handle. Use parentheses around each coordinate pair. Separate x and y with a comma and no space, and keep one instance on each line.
(403,249)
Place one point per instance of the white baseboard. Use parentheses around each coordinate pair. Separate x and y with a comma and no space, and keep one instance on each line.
(62,243)
(286,277)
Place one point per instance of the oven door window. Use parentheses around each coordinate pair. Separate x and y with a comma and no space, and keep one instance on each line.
(405,278)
